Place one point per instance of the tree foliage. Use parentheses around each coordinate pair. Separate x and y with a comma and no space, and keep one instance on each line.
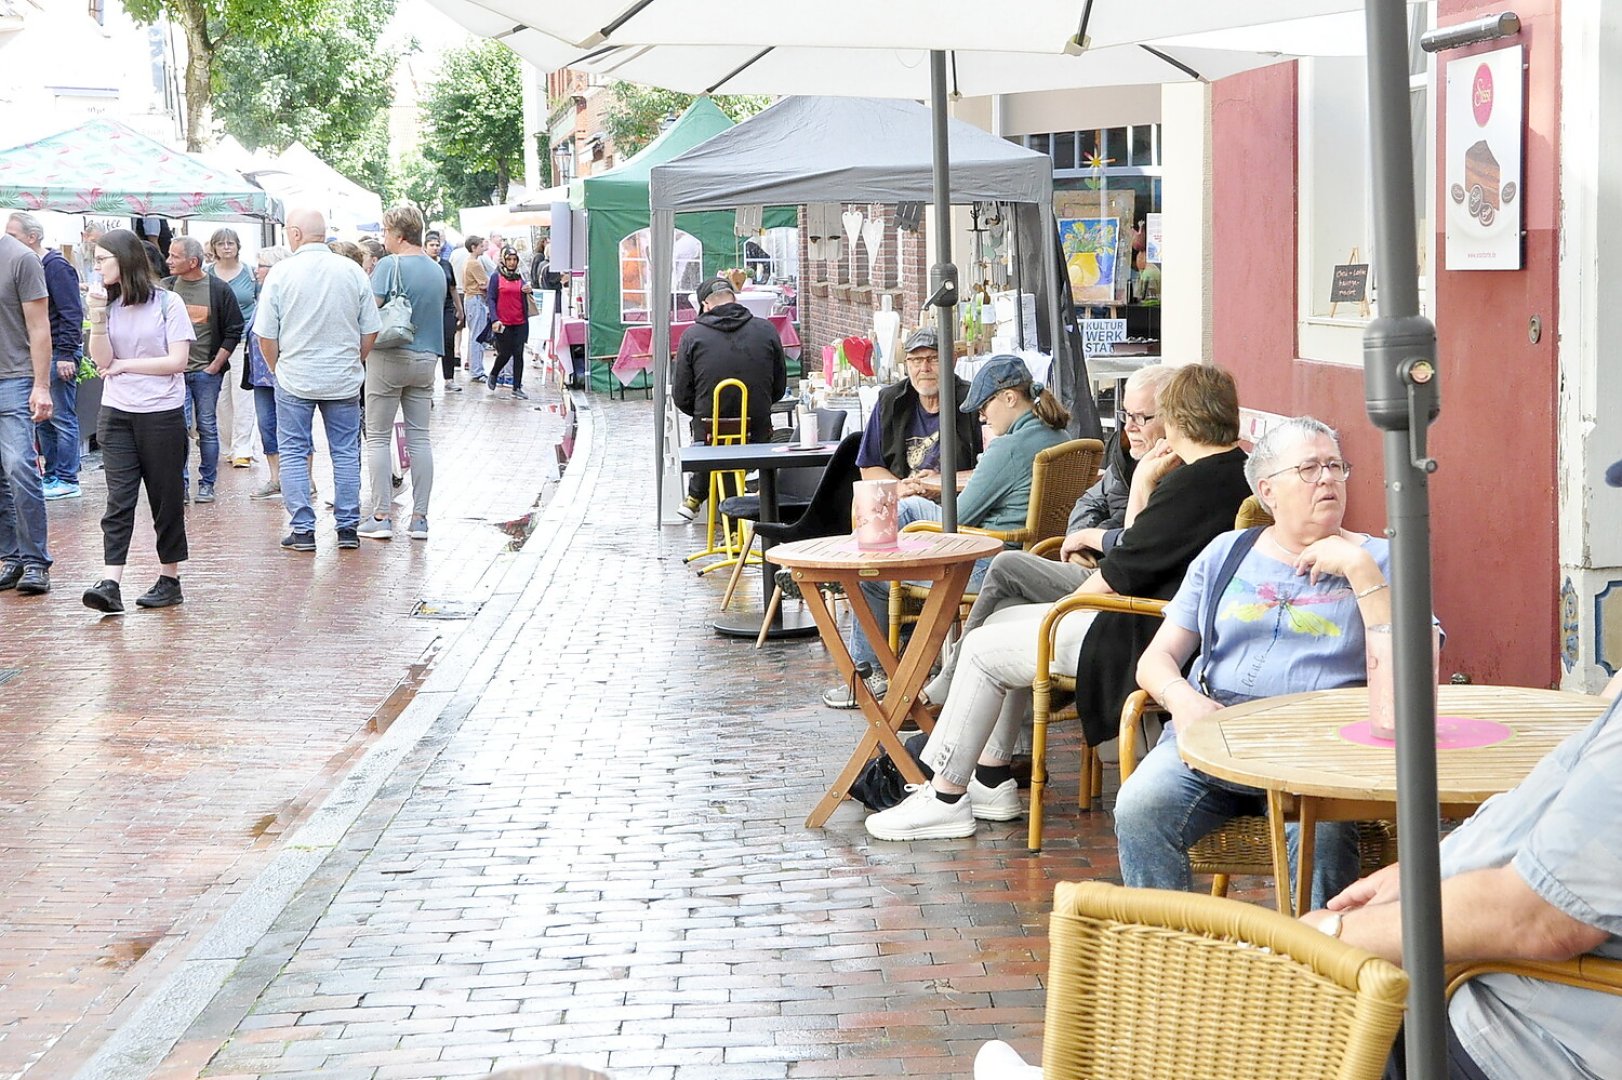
(473,123)
(635,112)
(413,180)
(208,24)
(329,88)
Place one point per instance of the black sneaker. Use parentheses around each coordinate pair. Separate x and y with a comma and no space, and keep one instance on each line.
(166,593)
(299,541)
(10,574)
(105,596)
(36,581)
(348,539)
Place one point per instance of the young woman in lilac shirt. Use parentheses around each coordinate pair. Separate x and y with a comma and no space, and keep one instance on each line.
(140,335)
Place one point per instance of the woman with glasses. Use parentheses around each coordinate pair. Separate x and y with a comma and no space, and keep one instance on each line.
(140,337)
(1286,606)
(236,419)
(1185,492)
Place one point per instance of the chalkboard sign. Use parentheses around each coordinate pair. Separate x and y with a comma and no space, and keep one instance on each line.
(1351,284)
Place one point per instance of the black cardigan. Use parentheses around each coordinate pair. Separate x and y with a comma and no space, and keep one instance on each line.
(893,413)
(1191,507)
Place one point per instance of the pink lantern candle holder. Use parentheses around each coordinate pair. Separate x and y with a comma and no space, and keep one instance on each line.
(873,514)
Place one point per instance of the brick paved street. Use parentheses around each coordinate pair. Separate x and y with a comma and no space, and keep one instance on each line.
(581,839)
(148,763)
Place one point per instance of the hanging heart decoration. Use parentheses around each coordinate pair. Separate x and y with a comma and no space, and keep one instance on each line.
(853,225)
(873,237)
(859,354)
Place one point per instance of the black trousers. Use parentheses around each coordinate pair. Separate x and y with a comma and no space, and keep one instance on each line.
(149,449)
(510,347)
(447,359)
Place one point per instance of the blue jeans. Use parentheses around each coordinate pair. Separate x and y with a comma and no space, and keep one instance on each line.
(202,399)
(477,313)
(22,494)
(295,426)
(877,593)
(59,436)
(1165,807)
(264,407)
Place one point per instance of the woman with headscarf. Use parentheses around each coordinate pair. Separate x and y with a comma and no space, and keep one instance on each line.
(508,295)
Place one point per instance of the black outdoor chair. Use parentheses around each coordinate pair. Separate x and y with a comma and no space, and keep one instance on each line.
(828,515)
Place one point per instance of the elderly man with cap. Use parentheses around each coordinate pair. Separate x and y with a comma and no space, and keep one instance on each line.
(902,438)
(726,342)
(1024,420)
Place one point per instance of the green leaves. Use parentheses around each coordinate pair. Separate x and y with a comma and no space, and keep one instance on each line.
(635,112)
(473,123)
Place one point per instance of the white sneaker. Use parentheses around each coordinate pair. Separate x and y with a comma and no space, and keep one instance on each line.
(688,509)
(419,527)
(999,1061)
(376,528)
(843,697)
(1000,803)
(922,816)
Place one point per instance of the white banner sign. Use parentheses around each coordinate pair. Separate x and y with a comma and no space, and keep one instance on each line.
(1151,238)
(1099,335)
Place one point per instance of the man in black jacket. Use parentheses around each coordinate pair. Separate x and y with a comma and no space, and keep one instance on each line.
(726,342)
(217,318)
(901,440)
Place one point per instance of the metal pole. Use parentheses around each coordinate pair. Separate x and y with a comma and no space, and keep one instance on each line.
(943,290)
(1400,386)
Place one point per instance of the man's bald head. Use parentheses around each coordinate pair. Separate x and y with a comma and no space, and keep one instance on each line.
(305,227)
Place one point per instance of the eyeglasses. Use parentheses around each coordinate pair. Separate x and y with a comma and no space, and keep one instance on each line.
(99,259)
(1133,419)
(923,360)
(1311,472)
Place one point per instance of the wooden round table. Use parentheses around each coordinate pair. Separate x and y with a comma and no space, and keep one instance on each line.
(945,560)
(1294,749)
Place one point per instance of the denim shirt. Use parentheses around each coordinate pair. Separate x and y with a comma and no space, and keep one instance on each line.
(1561,830)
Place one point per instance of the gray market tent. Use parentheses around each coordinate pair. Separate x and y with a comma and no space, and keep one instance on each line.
(839,149)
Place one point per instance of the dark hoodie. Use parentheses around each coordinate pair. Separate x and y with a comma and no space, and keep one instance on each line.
(730,343)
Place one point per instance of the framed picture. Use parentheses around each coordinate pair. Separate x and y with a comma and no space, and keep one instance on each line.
(1091,251)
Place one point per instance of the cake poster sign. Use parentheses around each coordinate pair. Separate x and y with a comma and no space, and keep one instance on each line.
(1485,119)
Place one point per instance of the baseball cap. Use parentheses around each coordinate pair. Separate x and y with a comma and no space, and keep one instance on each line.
(1001,372)
(713,286)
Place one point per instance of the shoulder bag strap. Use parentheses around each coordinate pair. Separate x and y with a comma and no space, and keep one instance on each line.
(1219,585)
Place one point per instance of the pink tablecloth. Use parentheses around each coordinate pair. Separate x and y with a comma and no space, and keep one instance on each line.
(636,347)
(574,331)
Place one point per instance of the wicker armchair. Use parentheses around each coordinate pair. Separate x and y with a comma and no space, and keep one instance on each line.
(1586,972)
(1147,984)
(1059,476)
(1251,513)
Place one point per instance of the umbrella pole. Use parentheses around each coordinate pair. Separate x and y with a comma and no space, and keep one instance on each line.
(943,290)
(1399,356)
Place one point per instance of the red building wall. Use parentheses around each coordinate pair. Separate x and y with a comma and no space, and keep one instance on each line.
(1493,501)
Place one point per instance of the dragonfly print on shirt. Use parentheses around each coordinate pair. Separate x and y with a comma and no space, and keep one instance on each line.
(1291,606)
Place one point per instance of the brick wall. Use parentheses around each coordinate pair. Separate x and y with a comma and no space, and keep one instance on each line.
(834,304)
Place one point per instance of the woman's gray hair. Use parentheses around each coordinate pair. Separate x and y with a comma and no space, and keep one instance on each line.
(1151,376)
(1264,460)
(270,256)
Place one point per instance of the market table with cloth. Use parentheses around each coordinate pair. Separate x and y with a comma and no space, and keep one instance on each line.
(636,347)
(945,560)
(1315,751)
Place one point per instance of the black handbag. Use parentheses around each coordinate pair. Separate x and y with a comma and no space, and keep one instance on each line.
(881,785)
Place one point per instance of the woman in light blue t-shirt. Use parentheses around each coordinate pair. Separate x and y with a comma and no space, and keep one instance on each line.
(1289,619)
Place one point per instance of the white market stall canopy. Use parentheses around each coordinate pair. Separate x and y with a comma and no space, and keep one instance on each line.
(300,179)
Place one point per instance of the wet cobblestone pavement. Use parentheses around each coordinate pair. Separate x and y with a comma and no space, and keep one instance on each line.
(594,850)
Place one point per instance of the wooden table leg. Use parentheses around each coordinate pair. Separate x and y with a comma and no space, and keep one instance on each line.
(1307,809)
(907,674)
(1281,852)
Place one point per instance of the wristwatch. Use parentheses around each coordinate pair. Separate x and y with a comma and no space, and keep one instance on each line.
(1331,924)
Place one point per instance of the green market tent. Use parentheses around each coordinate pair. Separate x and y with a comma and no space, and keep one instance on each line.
(616,205)
(103,167)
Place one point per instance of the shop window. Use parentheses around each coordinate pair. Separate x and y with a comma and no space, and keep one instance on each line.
(1040,143)
(1086,147)
(1336,211)
(687,271)
(778,255)
(1064,150)
(1143,146)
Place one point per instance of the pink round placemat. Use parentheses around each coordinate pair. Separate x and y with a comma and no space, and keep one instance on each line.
(913,542)
(1452,733)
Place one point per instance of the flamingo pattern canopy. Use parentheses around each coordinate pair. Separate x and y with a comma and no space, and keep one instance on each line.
(103,167)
